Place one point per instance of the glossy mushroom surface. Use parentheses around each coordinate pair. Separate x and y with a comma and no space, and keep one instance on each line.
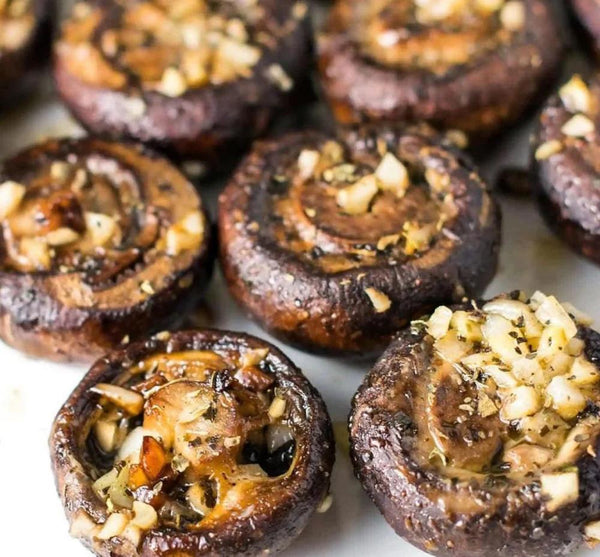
(197,78)
(465,64)
(477,431)
(335,243)
(196,443)
(100,243)
(565,164)
(25,35)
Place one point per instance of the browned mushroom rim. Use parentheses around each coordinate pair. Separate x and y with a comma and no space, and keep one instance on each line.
(97,210)
(337,206)
(17,23)
(189,439)
(567,150)
(174,46)
(504,392)
(431,35)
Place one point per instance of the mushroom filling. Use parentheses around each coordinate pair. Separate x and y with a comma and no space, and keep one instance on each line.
(436,35)
(578,130)
(510,393)
(169,46)
(338,214)
(188,437)
(85,214)
(17,21)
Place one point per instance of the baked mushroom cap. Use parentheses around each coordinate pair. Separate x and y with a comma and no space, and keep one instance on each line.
(462,64)
(25,34)
(99,243)
(587,14)
(198,78)
(196,443)
(565,164)
(477,431)
(334,244)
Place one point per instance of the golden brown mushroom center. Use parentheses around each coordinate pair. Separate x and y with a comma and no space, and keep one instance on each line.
(193,434)
(508,389)
(433,34)
(70,213)
(340,214)
(167,46)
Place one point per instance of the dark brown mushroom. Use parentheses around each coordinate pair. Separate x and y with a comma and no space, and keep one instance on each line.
(335,244)
(25,35)
(566,165)
(477,432)
(201,443)
(587,14)
(465,65)
(99,243)
(199,79)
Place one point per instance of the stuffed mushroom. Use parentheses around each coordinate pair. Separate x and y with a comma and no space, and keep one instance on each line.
(477,433)
(335,243)
(25,36)
(198,78)
(565,164)
(196,443)
(466,64)
(100,243)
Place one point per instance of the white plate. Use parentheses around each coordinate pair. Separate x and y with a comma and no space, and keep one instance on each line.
(31,516)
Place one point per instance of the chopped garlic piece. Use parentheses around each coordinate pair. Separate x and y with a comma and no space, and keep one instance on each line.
(576,95)
(548,149)
(392,175)
(439,322)
(144,515)
(61,237)
(114,526)
(512,15)
(579,126)
(583,372)
(566,398)
(592,530)
(186,234)
(380,301)
(551,312)
(503,338)
(307,163)
(356,199)
(100,229)
(560,488)
(11,195)
(277,408)
(172,83)
(522,401)
(36,252)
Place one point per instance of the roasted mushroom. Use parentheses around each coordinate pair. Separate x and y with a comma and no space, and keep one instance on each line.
(199,443)
(99,243)
(25,34)
(198,78)
(587,14)
(477,431)
(335,244)
(566,164)
(471,65)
